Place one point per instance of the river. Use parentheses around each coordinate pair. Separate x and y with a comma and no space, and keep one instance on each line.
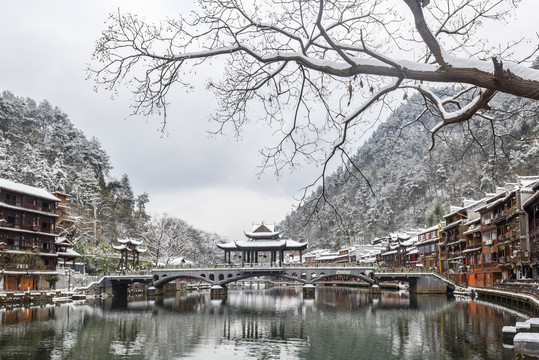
(340,323)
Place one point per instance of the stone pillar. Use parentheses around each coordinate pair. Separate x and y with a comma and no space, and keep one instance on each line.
(375,289)
(155,291)
(309,291)
(218,292)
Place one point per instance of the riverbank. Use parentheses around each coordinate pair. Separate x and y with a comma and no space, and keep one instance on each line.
(34,297)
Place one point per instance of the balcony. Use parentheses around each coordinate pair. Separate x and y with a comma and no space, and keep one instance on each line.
(11,202)
(29,206)
(499,218)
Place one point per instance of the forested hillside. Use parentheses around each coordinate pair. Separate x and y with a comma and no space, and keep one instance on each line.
(40,146)
(409,181)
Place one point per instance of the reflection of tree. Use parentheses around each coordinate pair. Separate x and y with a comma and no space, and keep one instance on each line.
(194,326)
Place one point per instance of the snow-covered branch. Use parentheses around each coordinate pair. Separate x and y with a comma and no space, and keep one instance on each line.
(300,59)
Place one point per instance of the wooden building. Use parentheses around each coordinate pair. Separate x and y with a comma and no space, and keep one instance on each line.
(264,245)
(27,235)
(531,207)
(427,246)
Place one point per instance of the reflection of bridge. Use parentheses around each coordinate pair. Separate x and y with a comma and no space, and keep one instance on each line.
(220,277)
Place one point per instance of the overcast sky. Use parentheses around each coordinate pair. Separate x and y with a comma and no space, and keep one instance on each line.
(210,182)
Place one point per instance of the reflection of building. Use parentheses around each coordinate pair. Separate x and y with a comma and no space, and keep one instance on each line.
(27,235)
(263,241)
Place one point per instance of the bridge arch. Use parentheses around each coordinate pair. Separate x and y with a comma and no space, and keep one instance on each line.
(361,276)
(166,279)
(253,275)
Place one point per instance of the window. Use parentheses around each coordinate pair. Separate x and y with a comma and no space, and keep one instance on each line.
(486,258)
(12,244)
(11,199)
(489,237)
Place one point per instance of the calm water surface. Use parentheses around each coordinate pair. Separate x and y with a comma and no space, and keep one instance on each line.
(340,323)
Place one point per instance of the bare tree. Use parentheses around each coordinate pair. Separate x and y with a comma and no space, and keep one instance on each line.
(319,69)
(165,238)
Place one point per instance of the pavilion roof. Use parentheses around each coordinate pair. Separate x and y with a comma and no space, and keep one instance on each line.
(263,231)
(69,253)
(130,241)
(266,244)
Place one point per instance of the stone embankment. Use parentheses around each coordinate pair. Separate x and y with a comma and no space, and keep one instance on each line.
(524,337)
(27,297)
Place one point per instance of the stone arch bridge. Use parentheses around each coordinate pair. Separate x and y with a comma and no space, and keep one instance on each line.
(224,276)
(220,277)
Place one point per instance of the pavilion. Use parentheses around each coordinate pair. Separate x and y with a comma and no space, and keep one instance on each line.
(126,247)
(262,241)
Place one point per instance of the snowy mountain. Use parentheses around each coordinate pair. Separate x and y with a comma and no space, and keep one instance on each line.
(409,181)
(40,146)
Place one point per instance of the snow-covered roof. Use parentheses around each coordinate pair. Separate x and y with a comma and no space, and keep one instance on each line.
(27,190)
(262,235)
(432,228)
(285,244)
(399,236)
(409,242)
(180,261)
(452,225)
(328,257)
(471,250)
(69,253)
(264,228)
(141,249)
(531,199)
(263,231)
(63,241)
(130,241)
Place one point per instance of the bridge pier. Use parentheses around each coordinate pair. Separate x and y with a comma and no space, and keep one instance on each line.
(218,292)
(427,285)
(309,291)
(156,291)
(375,289)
